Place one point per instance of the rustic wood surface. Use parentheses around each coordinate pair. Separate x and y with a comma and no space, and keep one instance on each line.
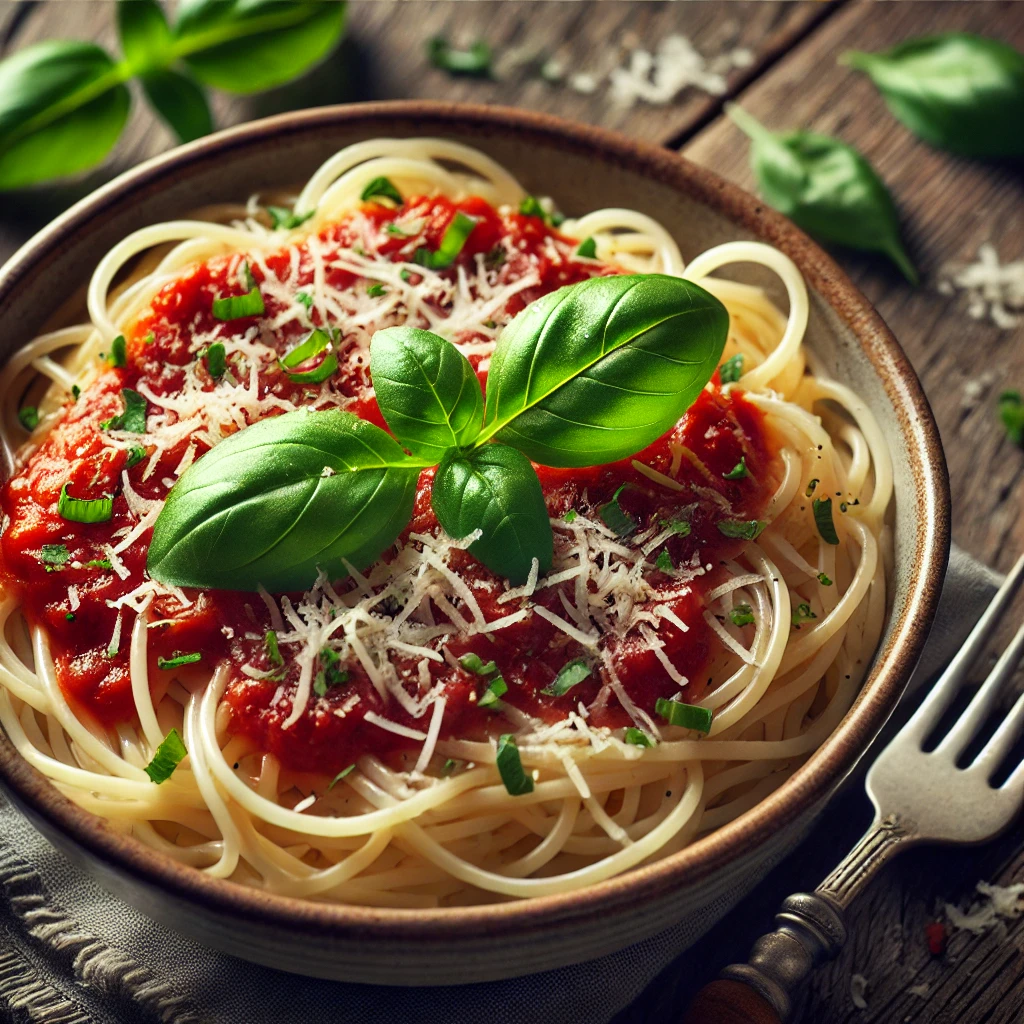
(949,207)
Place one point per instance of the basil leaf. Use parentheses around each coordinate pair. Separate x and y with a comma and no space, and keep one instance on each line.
(178,660)
(596,371)
(495,489)
(741,529)
(826,187)
(247,46)
(237,307)
(638,737)
(474,663)
(452,242)
(118,352)
(474,62)
(958,91)
(615,517)
(381,188)
(168,756)
(689,716)
(315,342)
(63,105)
(179,100)
(133,419)
(823,520)
(28,417)
(279,499)
(427,391)
(135,455)
(84,510)
(568,676)
(144,35)
(510,767)
(587,249)
(216,359)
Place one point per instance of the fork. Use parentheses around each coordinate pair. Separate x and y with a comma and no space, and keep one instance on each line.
(919,797)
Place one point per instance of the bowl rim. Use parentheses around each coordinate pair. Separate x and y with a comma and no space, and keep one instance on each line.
(812,782)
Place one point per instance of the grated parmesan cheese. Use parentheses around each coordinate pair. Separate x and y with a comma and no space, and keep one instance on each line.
(994,290)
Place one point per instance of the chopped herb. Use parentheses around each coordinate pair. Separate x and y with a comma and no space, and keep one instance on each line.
(510,767)
(395,231)
(328,674)
(569,675)
(70,616)
(54,556)
(282,217)
(802,613)
(570,515)
(615,517)
(135,455)
(587,249)
(638,737)
(178,660)
(28,417)
(84,510)
(315,342)
(405,275)
(742,615)
(739,471)
(496,689)
(235,307)
(271,649)
(118,352)
(133,419)
(452,242)
(448,767)
(530,207)
(1011,412)
(149,339)
(741,529)
(823,520)
(381,188)
(689,716)
(491,323)
(474,62)
(471,663)
(664,561)
(97,563)
(76,392)
(168,756)
(337,778)
(680,527)
(824,580)
(375,291)
(732,369)
(305,299)
(216,360)
(810,487)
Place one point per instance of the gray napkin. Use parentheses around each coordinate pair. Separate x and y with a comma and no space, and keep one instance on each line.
(70,953)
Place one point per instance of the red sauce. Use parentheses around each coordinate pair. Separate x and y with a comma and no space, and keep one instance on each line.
(717,430)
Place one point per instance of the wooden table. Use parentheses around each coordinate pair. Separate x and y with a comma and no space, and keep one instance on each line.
(949,207)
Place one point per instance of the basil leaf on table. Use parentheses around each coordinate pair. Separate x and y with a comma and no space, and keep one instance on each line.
(596,371)
(247,46)
(282,498)
(62,108)
(180,102)
(958,91)
(426,390)
(495,489)
(826,187)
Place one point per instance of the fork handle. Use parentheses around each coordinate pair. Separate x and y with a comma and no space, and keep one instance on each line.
(810,930)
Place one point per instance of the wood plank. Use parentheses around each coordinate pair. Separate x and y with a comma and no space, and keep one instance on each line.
(383,56)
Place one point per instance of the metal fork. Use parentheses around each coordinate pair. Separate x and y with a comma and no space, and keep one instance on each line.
(919,797)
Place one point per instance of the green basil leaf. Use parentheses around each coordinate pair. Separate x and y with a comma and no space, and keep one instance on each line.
(826,187)
(63,105)
(28,417)
(237,307)
(596,371)
(245,46)
(495,489)
(180,101)
(958,91)
(587,249)
(732,369)
(84,510)
(273,652)
(144,34)
(510,767)
(168,756)
(452,242)
(568,676)
(689,716)
(474,62)
(427,391)
(315,342)
(823,520)
(381,188)
(133,419)
(279,499)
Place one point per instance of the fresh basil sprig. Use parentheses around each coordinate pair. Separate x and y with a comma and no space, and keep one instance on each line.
(958,91)
(587,375)
(64,104)
(826,187)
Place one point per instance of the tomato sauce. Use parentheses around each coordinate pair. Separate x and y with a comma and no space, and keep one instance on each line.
(74,593)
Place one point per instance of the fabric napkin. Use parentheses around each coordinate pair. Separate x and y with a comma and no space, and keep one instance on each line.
(71,953)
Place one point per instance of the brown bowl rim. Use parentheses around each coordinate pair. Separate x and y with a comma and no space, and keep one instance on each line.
(811,783)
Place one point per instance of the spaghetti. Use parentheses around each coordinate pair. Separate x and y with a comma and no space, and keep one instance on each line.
(422,733)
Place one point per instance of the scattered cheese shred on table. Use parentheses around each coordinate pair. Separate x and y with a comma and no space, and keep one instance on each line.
(999,903)
(858,989)
(994,290)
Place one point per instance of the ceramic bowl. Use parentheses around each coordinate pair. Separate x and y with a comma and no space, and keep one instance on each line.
(583,168)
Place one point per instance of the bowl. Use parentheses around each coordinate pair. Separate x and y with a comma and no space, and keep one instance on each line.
(583,168)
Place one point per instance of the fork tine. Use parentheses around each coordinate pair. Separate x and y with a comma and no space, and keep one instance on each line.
(942,693)
(1002,740)
(959,736)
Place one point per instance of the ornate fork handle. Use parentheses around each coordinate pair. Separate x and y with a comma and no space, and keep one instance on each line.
(810,928)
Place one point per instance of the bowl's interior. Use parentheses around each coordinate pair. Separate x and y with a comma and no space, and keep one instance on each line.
(583,169)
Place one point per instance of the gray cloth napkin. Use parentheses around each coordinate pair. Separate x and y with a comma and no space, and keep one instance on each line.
(71,953)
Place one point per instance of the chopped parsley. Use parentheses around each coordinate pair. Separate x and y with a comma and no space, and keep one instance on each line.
(496,689)
(448,767)
(381,188)
(168,756)
(689,716)
(569,675)
(179,658)
(304,299)
(824,580)
(474,62)
(680,527)
(216,360)
(28,417)
(664,561)
(739,471)
(118,352)
(731,370)
(97,563)
(741,529)
(452,242)
(328,674)
(395,231)
(76,392)
(1011,412)
(638,737)
(405,275)
(70,616)
(810,487)
(53,556)
(615,517)
(135,455)
(270,648)
(801,614)
(376,290)
(236,307)
(337,778)
(282,217)
(84,510)
(510,767)
(823,520)
(742,615)
(570,516)
(587,249)
(133,419)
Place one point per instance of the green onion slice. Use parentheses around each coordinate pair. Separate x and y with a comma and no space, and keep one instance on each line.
(452,242)
(510,767)
(316,341)
(689,716)
(570,516)
(741,529)
(569,675)
(742,615)
(273,652)
(168,756)
(496,689)
(381,188)
(739,471)
(84,510)
(823,520)
(476,61)
(472,663)
(305,299)
(328,674)
(802,613)
(216,360)
(179,659)
(824,579)
(235,307)
(664,561)
(375,291)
